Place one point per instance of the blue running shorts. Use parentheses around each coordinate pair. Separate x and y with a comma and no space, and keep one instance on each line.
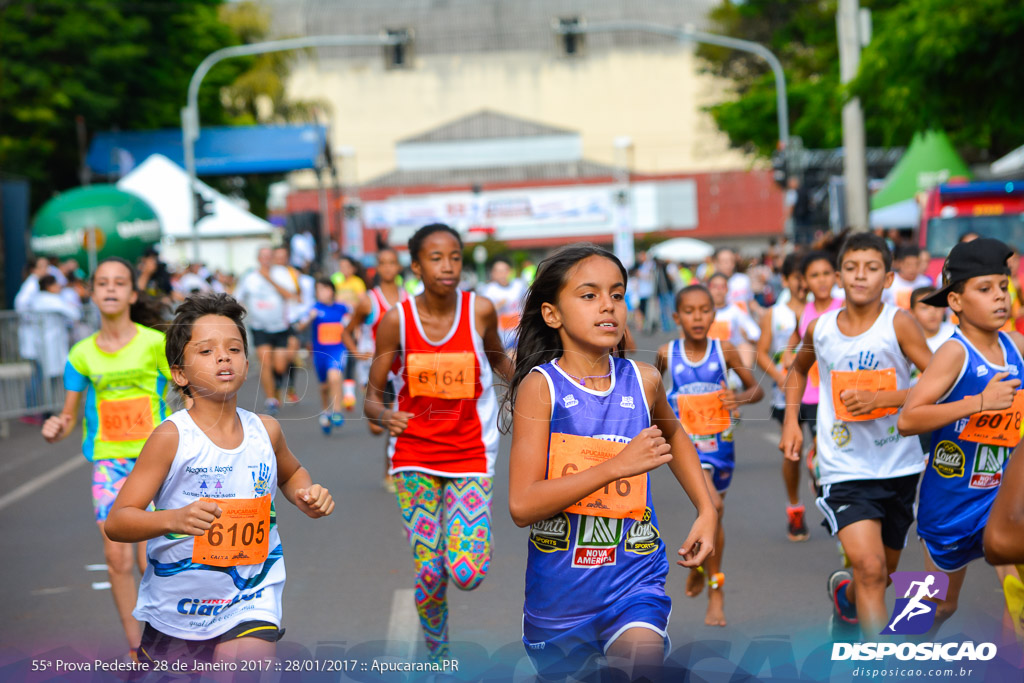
(560,652)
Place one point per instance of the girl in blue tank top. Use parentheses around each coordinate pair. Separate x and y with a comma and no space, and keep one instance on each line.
(969,398)
(587,427)
(701,398)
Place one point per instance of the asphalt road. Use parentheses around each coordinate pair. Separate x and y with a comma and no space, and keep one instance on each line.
(350,576)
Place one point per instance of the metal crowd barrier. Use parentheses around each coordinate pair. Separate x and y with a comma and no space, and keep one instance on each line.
(31,363)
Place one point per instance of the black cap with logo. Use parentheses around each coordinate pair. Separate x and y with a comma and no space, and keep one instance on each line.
(983,256)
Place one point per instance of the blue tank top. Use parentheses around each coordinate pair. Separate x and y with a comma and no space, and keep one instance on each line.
(962,477)
(327,328)
(579,564)
(704,376)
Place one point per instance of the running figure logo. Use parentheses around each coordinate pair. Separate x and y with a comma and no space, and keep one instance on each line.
(914,614)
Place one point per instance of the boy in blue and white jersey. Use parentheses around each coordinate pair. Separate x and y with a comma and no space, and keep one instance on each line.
(977,371)
(328,318)
(700,366)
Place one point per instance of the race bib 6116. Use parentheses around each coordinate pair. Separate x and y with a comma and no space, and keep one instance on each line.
(619,499)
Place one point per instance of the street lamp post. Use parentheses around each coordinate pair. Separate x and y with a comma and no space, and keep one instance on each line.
(190,112)
(689,33)
(623,226)
(851,37)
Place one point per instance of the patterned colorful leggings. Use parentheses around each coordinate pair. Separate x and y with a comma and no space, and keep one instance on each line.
(448,524)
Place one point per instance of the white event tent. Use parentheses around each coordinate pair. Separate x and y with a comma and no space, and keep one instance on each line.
(229,238)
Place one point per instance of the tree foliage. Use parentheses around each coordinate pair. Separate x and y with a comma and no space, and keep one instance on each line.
(258,94)
(118,64)
(955,66)
(931,63)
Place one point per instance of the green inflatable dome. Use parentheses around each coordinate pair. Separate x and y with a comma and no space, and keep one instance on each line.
(123,223)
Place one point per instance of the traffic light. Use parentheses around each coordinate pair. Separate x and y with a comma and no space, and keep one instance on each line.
(203,206)
(780,172)
(572,36)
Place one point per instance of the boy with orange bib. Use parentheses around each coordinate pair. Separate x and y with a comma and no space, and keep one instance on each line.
(869,473)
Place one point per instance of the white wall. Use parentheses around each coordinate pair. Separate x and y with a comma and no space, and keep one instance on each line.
(652,95)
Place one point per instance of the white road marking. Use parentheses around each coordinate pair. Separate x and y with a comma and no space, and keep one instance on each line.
(33,485)
(95,567)
(773,439)
(100,585)
(51,591)
(18,462)
(403,625)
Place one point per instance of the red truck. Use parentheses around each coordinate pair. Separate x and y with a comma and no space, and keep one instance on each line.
(988,209)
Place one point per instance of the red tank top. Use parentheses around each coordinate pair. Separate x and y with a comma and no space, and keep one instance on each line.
(379,305)
(447,386)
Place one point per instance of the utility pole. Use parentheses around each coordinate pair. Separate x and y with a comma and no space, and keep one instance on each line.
(851,36)
(623,216)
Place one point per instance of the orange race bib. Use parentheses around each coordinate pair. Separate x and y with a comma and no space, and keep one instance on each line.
(720,329)
(862,380)
(329,334)
(619,499)
(442,375)
(508,321)
(903,299)
(703,414)
(126,419)
(813,376)
(997,427)
(239,536)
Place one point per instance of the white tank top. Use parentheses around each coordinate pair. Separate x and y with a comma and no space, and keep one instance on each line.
(783,325)
(872,449)
(199,601)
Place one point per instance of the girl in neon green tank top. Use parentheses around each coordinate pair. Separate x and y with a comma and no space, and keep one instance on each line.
(120,374)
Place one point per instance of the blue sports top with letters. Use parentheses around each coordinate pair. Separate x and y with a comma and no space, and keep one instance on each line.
(580,564)
(702,377)
(962,477)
